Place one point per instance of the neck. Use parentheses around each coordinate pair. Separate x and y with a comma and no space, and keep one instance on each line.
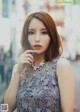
(38,59)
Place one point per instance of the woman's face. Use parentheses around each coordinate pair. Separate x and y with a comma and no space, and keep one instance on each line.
(38,36)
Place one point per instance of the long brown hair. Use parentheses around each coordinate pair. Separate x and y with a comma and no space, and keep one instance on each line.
(55,47)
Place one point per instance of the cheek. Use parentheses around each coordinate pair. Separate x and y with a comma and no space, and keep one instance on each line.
(47,41)
(29,40)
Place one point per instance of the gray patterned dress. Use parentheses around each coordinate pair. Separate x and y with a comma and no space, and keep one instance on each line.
(38,90)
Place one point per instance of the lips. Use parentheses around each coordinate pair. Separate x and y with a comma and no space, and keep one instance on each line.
(37,46)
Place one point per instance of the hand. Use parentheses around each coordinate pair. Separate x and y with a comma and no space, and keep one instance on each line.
(25,59)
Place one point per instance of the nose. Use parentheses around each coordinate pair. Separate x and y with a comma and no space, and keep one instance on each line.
(37,38)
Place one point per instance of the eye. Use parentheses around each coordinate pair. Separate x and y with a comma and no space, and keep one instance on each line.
(44,32)
(30,32)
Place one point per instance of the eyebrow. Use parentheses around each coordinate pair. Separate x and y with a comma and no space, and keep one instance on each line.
(44,29)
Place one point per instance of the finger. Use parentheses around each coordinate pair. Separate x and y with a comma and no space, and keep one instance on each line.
(29,59)
(26,57)
(30,51)
(29,55)
(26,62)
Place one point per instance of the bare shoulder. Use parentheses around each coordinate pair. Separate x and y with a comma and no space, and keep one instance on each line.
(66,84)
(64,67)
(62,62)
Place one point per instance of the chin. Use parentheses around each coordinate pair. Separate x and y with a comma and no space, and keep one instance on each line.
(39,53)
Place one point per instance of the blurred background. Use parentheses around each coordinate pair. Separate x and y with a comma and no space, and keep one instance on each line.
(66,14)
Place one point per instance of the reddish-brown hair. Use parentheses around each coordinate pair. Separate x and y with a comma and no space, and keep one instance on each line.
(55,47)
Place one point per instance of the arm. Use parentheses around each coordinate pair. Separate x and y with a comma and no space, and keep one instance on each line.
(66,85)
(10,96)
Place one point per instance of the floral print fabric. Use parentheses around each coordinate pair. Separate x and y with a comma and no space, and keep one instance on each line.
(38,90)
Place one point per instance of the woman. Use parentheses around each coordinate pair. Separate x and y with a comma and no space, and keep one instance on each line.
(41,81)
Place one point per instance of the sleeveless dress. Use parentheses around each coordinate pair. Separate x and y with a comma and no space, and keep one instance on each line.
(38,90)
